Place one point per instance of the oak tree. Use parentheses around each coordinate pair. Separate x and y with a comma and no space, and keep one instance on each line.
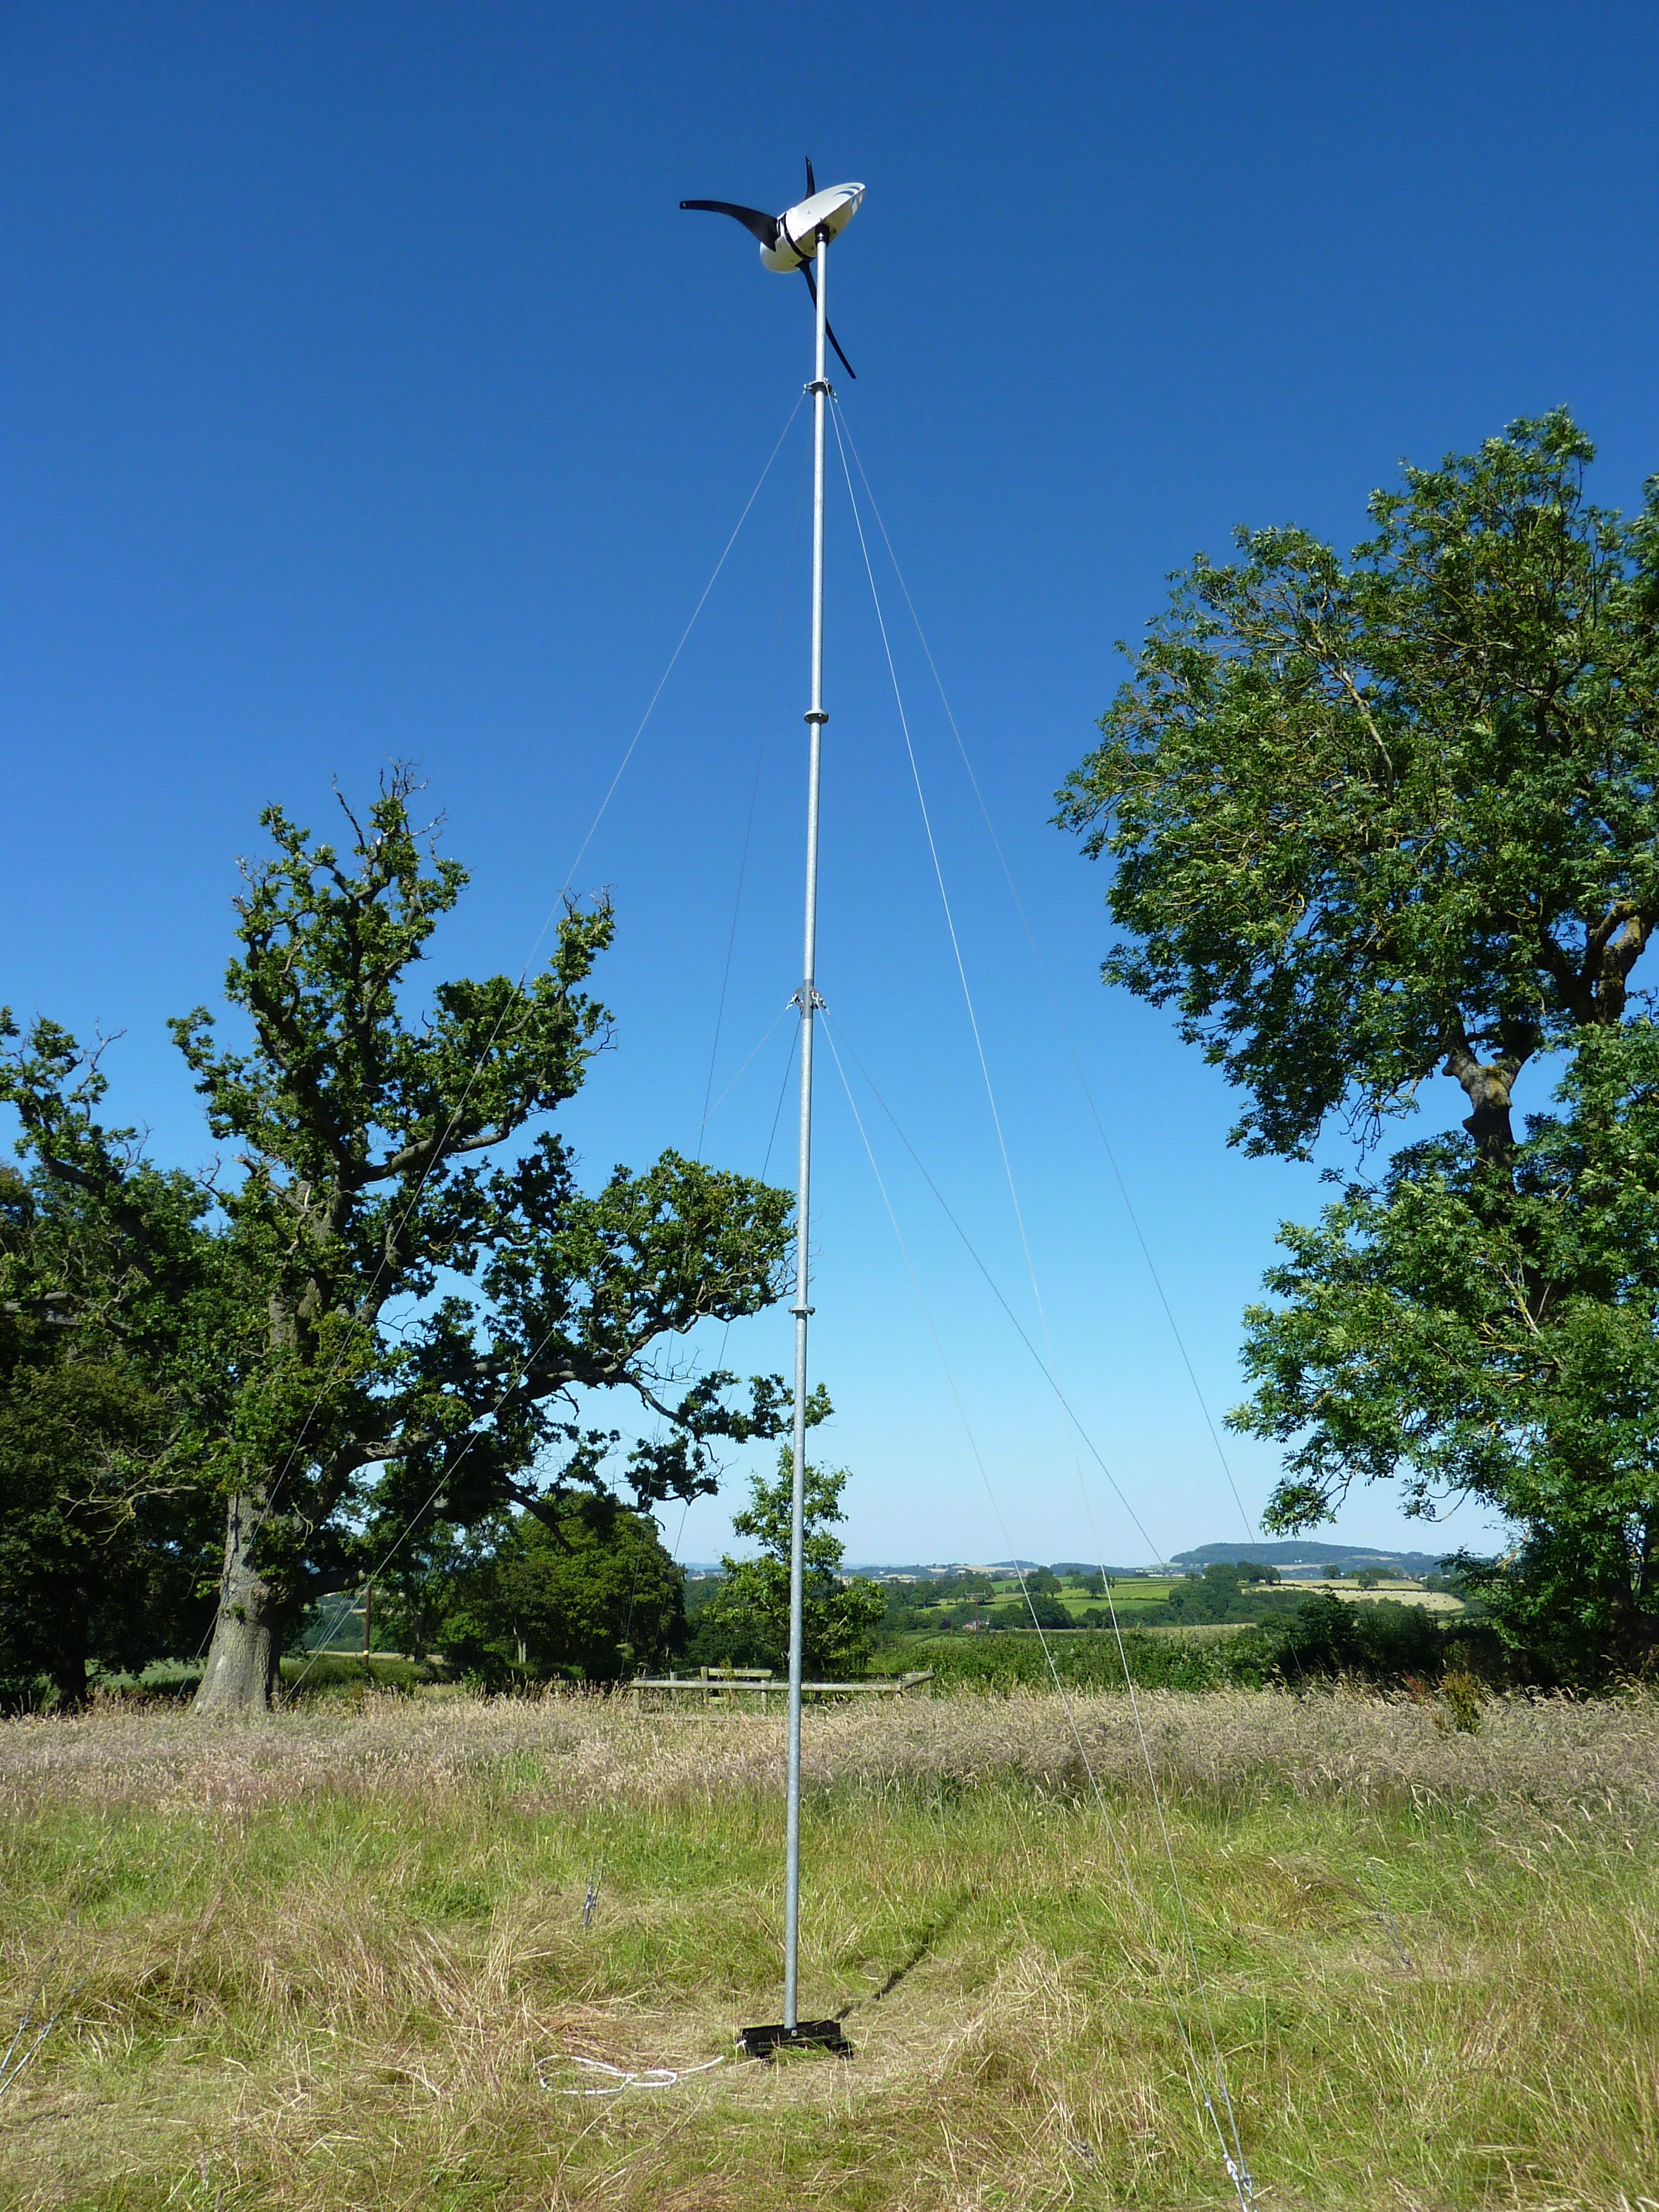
(1378,819)
(421,1308)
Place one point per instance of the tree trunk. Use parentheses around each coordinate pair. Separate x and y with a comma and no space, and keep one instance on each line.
(242,1661)
(68,1676)
(1487,1085)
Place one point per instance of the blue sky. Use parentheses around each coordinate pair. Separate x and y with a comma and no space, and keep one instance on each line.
(366,395)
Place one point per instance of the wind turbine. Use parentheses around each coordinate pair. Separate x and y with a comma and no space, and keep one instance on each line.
(797,237)
(790,241)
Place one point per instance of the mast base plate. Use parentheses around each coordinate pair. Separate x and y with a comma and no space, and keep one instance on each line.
(805,2035)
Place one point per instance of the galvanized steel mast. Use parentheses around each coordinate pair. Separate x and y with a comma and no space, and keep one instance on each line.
(807,1000)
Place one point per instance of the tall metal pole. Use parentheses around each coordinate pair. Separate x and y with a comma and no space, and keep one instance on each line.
(808,1002)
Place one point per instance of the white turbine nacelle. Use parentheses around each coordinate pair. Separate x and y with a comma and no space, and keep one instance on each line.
(790,241)
(829,211)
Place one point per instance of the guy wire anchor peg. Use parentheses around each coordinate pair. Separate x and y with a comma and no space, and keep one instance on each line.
(765,2043)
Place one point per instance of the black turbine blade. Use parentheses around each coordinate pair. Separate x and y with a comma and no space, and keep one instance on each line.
(811,184)
(828,329)
(756,220)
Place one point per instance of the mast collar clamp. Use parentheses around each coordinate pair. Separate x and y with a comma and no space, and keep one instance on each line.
(815,715)
(801,1312)
(799,998)
(820,384)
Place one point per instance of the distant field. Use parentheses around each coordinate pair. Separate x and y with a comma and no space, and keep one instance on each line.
(339,1961)
(1134,1600)
(1400,1593)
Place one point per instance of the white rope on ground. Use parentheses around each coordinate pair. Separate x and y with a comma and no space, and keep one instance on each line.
(1231,2151)
(1251,1526)
(640,2077)
(439,1153)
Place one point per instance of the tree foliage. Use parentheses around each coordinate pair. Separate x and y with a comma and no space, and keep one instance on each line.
(588,1595)
(1374,818)
(1468,1332)
(410,1296)
(746,1620)
(108,1298)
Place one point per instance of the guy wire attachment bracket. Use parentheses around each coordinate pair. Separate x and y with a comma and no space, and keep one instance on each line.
(820,384)
(765,2043)
(815,715)
(796,998)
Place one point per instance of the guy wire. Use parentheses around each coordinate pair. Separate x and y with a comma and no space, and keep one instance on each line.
(438,1154)
(1239,2174)
(1251,1526)
(476,1430)
(777,1116)
(754,796)
(1232,2158)
(956,944)
(997,1292)
(1052,1366)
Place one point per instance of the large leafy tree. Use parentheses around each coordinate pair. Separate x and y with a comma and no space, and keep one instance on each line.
(421,1309)
(1468,1334)
(589,1595)
(1379,819)
(107,1300)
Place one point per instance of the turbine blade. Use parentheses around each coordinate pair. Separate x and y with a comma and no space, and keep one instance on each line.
(755,221)
(829,328)
(829,332)
(811,182)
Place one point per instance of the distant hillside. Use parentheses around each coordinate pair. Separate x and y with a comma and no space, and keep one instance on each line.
(938,1570)
(1314,1552)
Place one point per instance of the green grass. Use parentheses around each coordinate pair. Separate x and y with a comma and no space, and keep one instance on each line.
(339,1960)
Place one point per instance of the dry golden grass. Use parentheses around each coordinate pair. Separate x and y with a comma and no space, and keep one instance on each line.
(339,1959)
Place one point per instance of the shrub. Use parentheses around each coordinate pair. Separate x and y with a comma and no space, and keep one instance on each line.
(1006,1663)
(1386,1641)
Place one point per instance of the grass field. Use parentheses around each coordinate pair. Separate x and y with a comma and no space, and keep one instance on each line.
(339,1960)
